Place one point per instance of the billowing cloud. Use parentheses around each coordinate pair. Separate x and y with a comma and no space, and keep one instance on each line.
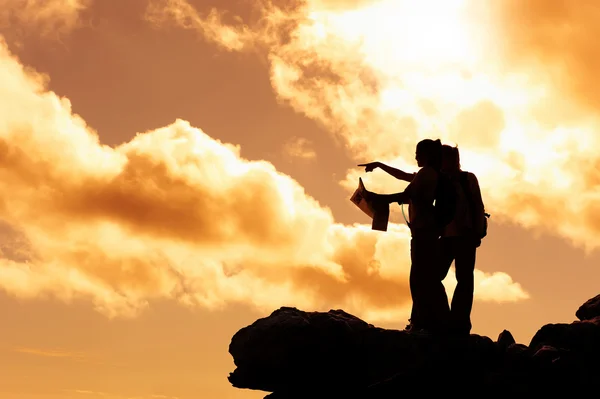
(210,26)
(299,147)
(86,393)
(175,214)
(45,17)
(55,353)
(556,40)
(384,74)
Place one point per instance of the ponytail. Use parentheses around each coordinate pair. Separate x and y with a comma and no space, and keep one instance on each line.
(452,155)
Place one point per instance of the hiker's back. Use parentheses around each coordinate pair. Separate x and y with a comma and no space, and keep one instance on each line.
(462,223)
(470,214)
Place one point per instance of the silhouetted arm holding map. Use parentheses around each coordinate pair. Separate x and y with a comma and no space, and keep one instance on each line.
(397,197)
(402,197)
(397,173)
(419,189)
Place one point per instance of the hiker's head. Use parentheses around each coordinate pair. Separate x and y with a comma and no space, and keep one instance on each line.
(429,153)
(450,158)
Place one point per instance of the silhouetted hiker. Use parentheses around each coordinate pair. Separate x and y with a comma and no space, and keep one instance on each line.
(426,223)
(461,238)
(408,177)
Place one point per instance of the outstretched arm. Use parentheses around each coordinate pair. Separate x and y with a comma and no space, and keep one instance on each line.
(397,173)
(389,198)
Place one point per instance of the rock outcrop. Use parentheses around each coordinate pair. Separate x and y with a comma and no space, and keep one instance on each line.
(296,354)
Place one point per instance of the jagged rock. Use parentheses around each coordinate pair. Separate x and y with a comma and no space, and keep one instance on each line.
(590,309)
(577,355)
(579,337)
(292,348)
(297,354)
(505,339)
(546,355)
(517,357)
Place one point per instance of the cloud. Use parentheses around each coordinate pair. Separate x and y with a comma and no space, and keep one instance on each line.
(210,26)
(45,17)
(479,126)
(299,147)
(88,392)
(52,353)
(106,395)
(174,214)
(384,74)
(555,39)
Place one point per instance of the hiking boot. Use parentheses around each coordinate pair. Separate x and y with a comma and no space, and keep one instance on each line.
(410,326)
(421,332)
(414,329)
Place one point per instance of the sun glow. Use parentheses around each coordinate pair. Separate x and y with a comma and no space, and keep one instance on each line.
(422,32)
(384,74)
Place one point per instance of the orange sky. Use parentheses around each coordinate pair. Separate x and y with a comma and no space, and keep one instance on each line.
(172,171)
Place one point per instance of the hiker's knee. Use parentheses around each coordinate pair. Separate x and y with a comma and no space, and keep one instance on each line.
(444,262)
(465,276)
(443,274)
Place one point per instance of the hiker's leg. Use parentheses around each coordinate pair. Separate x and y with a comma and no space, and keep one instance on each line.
(462,300)
(430,303)
(413,318)
(437,297)
(416,282)
(446,256)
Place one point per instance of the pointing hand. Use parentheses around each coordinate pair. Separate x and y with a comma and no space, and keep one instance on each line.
(369,167)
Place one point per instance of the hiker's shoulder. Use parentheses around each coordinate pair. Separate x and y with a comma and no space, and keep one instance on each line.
(470,176)
(427,172)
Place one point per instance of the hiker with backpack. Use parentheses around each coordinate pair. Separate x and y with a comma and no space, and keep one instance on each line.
(427,221)
(461,238)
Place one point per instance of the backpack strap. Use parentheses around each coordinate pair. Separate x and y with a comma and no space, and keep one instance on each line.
(404,215)
(464,182)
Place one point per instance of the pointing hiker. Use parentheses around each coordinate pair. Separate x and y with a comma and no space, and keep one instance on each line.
(428,293)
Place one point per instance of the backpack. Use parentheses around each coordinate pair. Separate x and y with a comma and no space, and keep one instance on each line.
(464,176)
(445,201)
